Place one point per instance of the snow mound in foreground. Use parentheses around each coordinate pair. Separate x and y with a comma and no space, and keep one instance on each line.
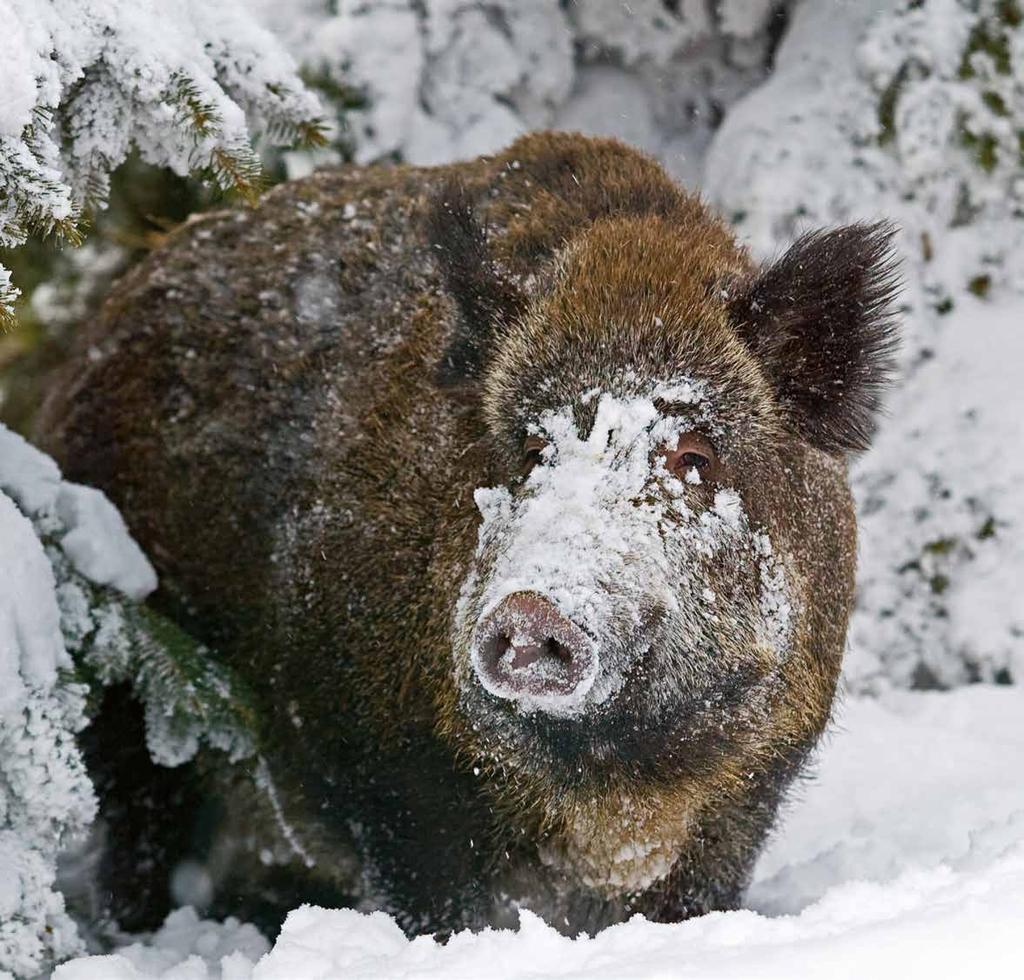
(905,858)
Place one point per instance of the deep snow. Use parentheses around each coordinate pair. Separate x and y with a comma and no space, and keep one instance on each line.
(903,858)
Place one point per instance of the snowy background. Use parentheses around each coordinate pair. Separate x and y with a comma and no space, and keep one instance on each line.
(905,855)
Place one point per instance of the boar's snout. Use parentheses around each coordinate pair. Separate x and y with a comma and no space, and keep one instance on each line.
(527,651)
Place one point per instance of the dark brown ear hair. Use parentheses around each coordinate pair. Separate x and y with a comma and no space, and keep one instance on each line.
(486,298)
(820,321)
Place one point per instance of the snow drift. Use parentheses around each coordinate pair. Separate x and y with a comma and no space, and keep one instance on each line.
(905,857)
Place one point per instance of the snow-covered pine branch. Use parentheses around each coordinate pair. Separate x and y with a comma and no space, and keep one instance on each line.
(70,623)
(188,84)
(914,112)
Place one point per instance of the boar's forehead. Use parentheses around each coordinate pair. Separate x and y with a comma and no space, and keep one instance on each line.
(624,305)
(619,415)
(716,386)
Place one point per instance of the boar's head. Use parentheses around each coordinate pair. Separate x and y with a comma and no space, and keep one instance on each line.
(657,414)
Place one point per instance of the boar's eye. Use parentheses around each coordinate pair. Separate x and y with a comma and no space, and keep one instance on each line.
(693,451)
(533,448)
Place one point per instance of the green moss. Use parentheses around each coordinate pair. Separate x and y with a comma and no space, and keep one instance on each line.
(1009,12)
(340,95)
(983,147)
(887,107)
(987,529)
(940,546)
(980,285)
(995,102)
(934,551)
(989,40)
(938,583)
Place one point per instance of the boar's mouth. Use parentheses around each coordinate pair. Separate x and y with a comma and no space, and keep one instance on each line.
(656,728)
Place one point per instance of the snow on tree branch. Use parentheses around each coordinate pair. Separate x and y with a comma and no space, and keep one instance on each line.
(437,80)
(913,111)
(188,84)
(70,613)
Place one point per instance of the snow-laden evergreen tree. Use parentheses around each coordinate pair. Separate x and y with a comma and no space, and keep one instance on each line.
(72,621)
(913,110)
(82,84)
(428,81)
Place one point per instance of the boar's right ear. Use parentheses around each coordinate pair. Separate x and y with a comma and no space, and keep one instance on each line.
(486,298)
(820,321)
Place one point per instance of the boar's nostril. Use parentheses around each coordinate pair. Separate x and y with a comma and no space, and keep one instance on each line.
(526,650)
(522,657)
(557,650)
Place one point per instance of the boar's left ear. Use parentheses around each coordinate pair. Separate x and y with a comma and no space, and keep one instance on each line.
(820,321)
(486,298)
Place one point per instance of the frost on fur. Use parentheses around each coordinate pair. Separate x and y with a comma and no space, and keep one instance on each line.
(604,532)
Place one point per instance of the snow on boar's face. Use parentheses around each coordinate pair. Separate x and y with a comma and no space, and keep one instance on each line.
(635,591)
(623,597)
(610,555)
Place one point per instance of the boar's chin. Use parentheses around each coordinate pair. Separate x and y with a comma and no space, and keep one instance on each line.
(646,731)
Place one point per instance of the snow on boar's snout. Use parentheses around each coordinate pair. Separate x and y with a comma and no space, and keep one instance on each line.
(596,562)
(526,649)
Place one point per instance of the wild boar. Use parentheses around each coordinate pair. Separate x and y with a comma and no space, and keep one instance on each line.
(517,493)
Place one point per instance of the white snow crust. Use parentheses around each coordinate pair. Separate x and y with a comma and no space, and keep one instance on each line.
(94,537)
(98,543)
(904,858)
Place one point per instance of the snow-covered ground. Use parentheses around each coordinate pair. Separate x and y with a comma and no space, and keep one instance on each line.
(903,858)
